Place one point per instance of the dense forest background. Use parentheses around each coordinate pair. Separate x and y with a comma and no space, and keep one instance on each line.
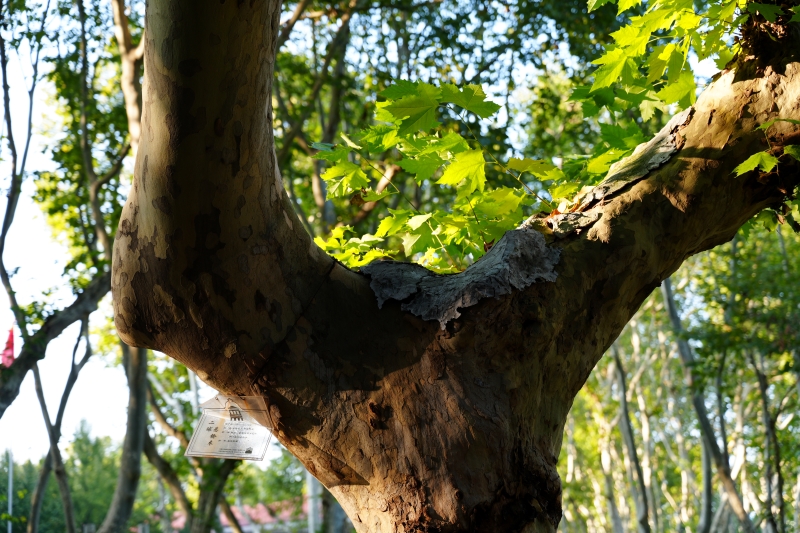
(714,357)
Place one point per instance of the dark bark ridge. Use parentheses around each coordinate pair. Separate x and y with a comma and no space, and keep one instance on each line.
(519,259)
(412,427)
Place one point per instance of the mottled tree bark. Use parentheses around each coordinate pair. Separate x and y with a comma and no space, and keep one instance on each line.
(417,415)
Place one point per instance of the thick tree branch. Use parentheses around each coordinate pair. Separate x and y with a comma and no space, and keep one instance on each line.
(421,401)
(34,348)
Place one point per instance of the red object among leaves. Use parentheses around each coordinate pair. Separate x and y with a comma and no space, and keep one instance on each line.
(7,358)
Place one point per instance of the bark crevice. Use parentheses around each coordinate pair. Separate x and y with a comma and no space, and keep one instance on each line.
(519,259)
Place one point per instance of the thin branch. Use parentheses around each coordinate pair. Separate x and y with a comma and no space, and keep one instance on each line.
(338,45)
(13,191)
(55,454)
(47,467)
(228,512)
(288,26)
(168,428)
(171,401)
(169,477)
(383,183)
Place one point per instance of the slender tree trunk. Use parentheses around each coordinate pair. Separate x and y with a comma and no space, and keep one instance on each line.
(169,477)
(444,407)
(611,501)
(704,525)
(647,449)
(639,489)
(55,456)
(772,455)
(706,429)
(38,495)
(215,474)
(130,468)
(233,522)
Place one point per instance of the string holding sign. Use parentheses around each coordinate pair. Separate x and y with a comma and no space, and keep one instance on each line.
(232,427)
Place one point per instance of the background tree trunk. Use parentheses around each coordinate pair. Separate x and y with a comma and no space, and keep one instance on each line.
(130,468)
(417,415)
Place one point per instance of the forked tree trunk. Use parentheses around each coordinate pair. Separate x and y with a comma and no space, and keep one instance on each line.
(412,427)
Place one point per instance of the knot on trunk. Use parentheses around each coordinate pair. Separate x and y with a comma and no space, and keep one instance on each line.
(518,260)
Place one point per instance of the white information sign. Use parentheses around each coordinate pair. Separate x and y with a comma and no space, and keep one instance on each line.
(231,431)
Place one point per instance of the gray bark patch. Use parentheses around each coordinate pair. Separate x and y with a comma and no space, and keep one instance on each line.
(647,156)
(519,259)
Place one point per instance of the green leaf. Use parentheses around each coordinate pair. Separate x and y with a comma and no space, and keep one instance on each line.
(391,224)
(762,160)
(724,57)
(418,113)
(613,62)
(349,142)
(624,138)
(792,150)
(534,166)
(380,137)
(767,218)
(627,4)
(423,167)
(452,143)
(768,125)
(769,12)
(601,163)
(399,89)
(632,38)
(372,196)
(332,153)
(499,202)
(324,147)
(682,91)
(472,98)
(416,221)
(565,190)
(382,114)
(595,4)
(343,178)
(469,167)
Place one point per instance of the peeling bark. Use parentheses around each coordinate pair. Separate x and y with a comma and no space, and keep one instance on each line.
(412,426)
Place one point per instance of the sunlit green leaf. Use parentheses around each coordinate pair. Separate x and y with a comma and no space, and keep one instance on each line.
(469,167)
(343,178)
(792,150)
(682,91)
(761,160)
(418,220)
(769,12)
(418,113)
(423,167)
(472,98)
(536,167)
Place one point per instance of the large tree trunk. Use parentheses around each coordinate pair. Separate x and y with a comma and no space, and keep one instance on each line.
(413,427)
